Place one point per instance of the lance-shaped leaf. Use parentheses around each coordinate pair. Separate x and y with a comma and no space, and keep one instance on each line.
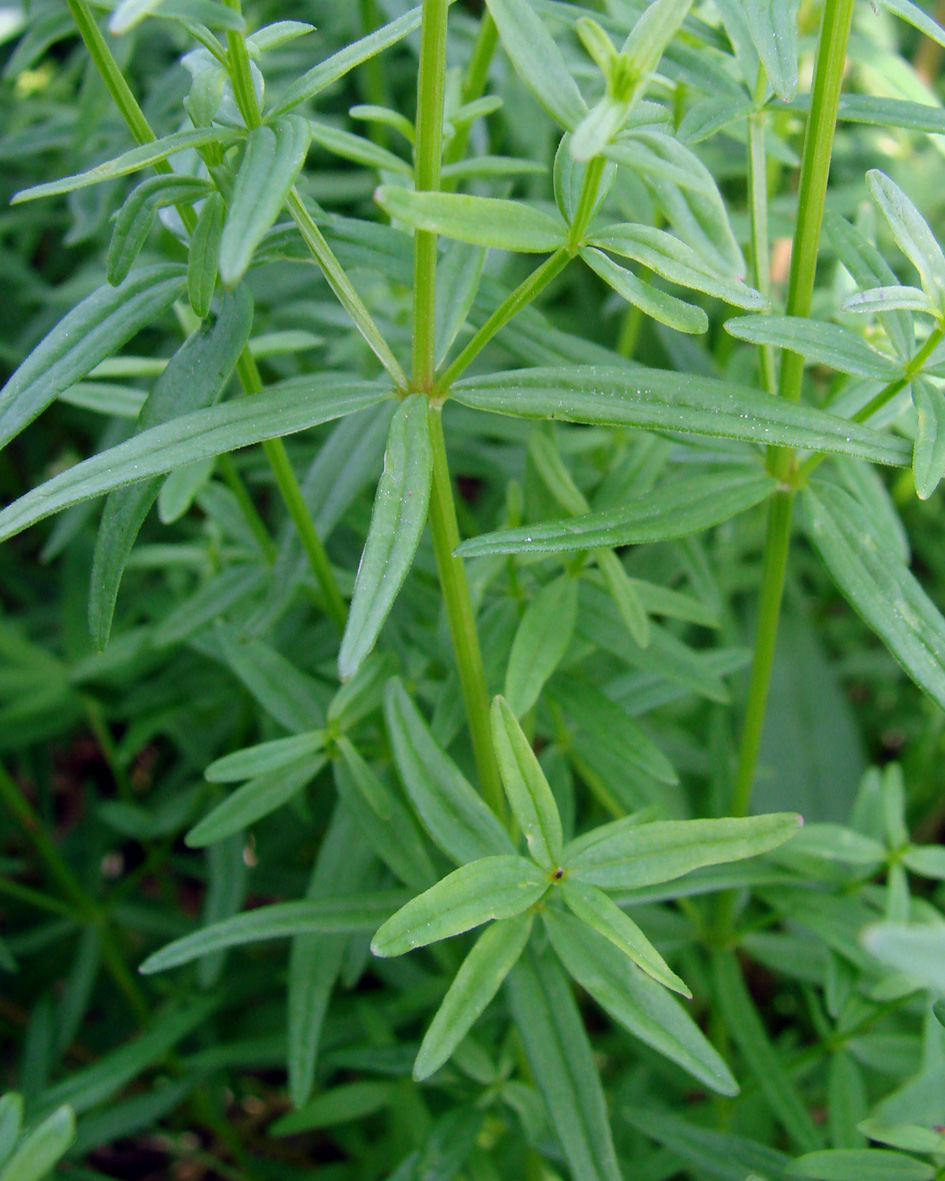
(476,983)
(526,786)
(563,1065)
(658,305)
(491,888)
(661,400)
(860,1164)
(676,261)
(98,327)
(333,68)
(11,1121)
(889,299)
(828,344)
(195,377)
(292,406)
(541,640)
(203,259)
(136,217)
(253,800)
(273,158)
(879,586)
(917,950)
(451,811)
(36,1157)
(928,458)
(483,221)
(133,161)
(593,907)
(537,61)
(265,757)
(676,509)
(912,233)
(638,1003)
(330,916)
(400,513)
(619,858)
(772,25)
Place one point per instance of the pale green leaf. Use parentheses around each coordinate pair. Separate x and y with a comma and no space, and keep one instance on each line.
(526,786)
(541,640)
(482,221)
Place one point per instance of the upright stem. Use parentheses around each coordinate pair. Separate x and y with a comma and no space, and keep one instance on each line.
(758,209)
(443,527)
(815,168)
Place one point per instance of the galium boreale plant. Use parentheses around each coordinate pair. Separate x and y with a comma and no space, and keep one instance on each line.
(395,707)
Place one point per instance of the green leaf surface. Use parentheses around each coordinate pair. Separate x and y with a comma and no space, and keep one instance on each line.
(914,949)
(661,400)
(541,640)
(563,1065)
(349,914)
(879,586)
(96,328)
(293,406)
(400,513)
(481,221)
(274,155)
(475,984)
(37,1155)
(912,233)
(773,28)
(827,344)
(675,509)
(638,1003)
(265,757)
(658,305)
(451,811)
(928,458)
(336,1105)
(621,859)
(134,220)
(203,258)
(860,1164)
(254,800)
(526,786)
(491,888)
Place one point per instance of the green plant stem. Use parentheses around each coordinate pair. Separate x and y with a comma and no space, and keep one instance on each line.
(885,395)
(815,168)
(444,529)
(291,494)
(231,478)
(474,83)
(758,211)
(527,291)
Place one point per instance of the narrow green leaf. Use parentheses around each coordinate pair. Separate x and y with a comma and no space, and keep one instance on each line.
(132,161)
(658,305)
(861,1164)
(662,400)
(349,914)
(195,377)
(623,591)
(638,1003)
(917,17)
(928,459)
(357,149)
(254,800)
(11,1120)
(295,699)
(927,860)
(675,509)
(136,217)
(541,640)
(912,233)
(458,272)
(203,256)
(482,221)
(491,888)
(745,1026)
(773,28)
(36,1157)
(677,262)
(827,344)
(293,406)
(275,153)
(337,1105)
(833,842)
(525,785)
(476,983)
(647,40)
(917,950)
(716,1154)
(595,909)
(264,758)
(563,1065)
(333,68)
(99,326)
(538,61)
(452,812)
(400,513)
(619,859)
(888,299)
(879,586)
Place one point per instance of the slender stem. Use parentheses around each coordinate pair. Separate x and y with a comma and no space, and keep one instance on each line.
(461,617)
(444,529)
(885,395)
(815,168)
(527,291)
(586,202)
(760,257)
(474,83)
(431,89)
(255,522)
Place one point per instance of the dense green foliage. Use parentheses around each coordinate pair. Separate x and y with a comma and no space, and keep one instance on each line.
(470,480)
